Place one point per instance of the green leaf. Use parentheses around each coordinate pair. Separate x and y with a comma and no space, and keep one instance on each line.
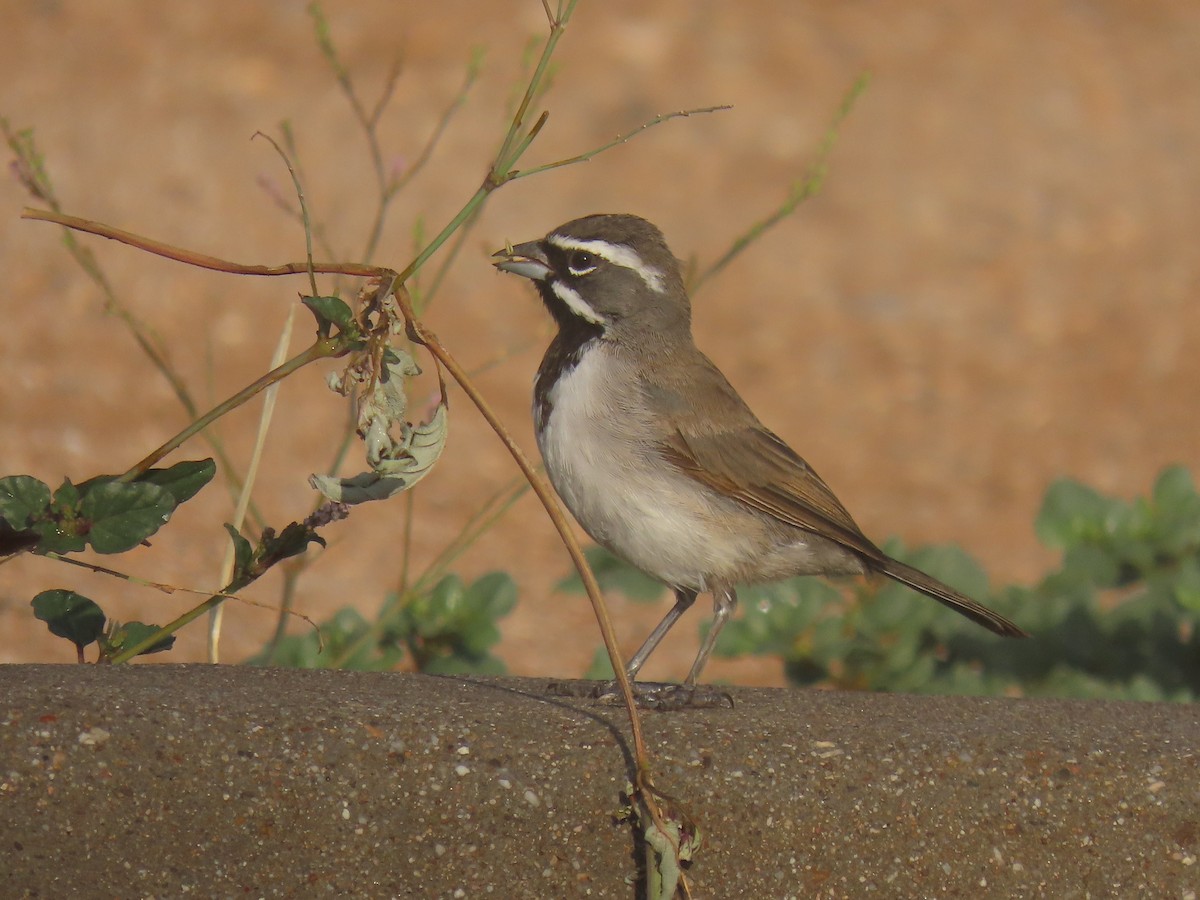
(182,480)
(461,664)
(250,562)
(70,615)
(314,649)
(1073,512)
(297,651)
(332,311)
(23,499)
(131,633)
(62,529)
(66,499)
(243,555)
(492,595)
(1187,584)
(453,627)
(121,516)
(614,574)
(292,541)
(26,505)
(1174,486)
(1087,565)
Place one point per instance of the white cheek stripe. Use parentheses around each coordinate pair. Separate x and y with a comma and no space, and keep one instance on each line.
(576,303)
(616,254)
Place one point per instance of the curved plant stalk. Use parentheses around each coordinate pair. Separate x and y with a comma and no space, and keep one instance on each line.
(191,257)
(166,589)
(239,513)
(618,140)
(217,615)
(31,171)
(516,141)
(426,338)
(807,186)
(324,348)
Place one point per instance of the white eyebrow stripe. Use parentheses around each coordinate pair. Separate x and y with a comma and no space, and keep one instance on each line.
(576,303)
(617,254)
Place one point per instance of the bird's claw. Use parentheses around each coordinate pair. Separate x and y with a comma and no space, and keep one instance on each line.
(657,695)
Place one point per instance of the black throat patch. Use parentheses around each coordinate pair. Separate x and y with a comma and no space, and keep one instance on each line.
(574,338)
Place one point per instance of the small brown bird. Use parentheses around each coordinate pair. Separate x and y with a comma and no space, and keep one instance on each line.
(658,457)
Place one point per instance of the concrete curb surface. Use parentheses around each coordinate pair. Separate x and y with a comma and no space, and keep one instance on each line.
(172,781)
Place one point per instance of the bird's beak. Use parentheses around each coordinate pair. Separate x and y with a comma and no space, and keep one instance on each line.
(527,260)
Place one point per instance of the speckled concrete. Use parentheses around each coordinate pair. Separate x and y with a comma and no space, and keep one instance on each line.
(174,781)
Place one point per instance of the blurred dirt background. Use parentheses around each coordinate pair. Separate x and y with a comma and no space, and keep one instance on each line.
(996,288)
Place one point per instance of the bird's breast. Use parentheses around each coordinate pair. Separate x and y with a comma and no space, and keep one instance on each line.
(598,436)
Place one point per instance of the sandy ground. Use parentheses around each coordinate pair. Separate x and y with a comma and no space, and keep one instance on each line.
(996,288)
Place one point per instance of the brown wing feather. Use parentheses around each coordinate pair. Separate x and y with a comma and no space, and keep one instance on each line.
(782,484)
(730,451)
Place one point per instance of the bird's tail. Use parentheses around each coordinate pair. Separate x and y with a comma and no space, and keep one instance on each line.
(960,603)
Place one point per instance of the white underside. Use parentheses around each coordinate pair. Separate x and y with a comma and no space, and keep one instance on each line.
(597,450)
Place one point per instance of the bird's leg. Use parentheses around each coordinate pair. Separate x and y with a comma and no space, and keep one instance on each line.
(664,695)
(667,696)
(689,694)
(724,603)
(684,598)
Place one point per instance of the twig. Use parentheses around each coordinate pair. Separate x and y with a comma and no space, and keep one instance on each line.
(426,338)
(321,349)
(619,139)
(806,187)
(200,260)
(165,588)
(239,513)
(32,172)
(304,220)
(558,24)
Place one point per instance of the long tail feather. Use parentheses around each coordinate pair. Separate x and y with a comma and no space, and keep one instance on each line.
(960,603)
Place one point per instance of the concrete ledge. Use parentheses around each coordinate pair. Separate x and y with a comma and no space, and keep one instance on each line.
(169,781)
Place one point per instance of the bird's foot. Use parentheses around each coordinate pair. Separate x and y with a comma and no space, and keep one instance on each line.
(658,695)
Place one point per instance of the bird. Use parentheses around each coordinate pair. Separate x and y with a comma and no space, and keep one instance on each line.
(659,458)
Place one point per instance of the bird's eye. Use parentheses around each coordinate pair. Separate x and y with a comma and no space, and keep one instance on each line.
(580,262)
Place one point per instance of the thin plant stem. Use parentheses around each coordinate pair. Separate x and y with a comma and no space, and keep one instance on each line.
(558,24)
(618,140)
(239,513)
(460,240)
(32,172)
(542,489)
(304,220)
(322,349)
(807,186)
(171,627)
(199,260)
(406,538)
(291,575)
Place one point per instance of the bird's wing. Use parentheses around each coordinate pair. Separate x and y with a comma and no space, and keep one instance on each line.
(732,453)
(755,467)
(727,449)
